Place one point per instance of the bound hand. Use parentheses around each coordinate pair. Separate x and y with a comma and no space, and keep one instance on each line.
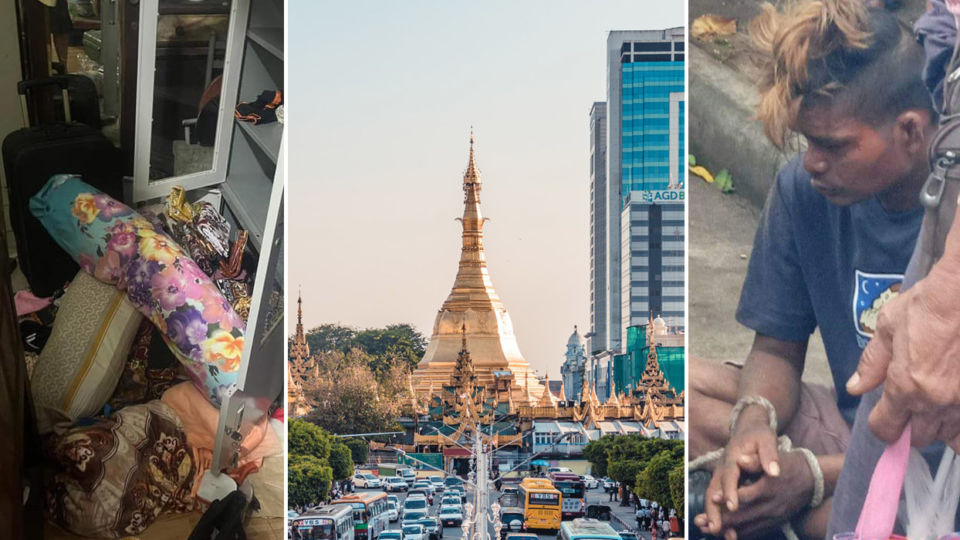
(770,501)
(752,450)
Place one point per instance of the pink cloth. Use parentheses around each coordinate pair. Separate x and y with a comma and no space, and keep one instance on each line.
(883,498)
(200,419)
(28,303)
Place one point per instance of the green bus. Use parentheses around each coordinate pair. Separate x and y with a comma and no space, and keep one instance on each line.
(587,529)
(369,513)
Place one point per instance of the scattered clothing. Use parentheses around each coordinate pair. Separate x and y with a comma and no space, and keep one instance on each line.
(26,302)
(200,419)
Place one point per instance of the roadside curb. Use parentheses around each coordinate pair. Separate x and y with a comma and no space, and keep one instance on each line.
(724,133)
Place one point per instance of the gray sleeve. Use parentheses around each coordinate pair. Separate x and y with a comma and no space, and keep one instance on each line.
(936,30)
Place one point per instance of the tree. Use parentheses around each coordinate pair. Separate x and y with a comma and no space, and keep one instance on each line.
(677,488)
(331,337)
(307,439)
(624,471)
(359,448)
(347,398)
(653,482)
(308,480)
(395,342)
(341,461)
(596,453)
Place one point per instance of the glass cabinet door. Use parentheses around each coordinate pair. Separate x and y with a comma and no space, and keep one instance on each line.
(189,61)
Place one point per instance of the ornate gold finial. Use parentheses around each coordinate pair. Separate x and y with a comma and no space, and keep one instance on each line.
(472,175)
(299,306)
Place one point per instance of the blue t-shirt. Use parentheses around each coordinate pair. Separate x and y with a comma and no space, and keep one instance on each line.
(815,264)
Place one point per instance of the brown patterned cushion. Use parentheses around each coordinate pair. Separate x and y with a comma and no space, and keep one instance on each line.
(112,478)
(82,361)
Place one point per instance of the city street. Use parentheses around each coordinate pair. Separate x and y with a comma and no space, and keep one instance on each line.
(622,515)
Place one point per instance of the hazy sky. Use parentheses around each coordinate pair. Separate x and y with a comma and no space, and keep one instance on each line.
(381,99)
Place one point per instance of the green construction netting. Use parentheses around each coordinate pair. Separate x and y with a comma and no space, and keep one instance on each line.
(628,368)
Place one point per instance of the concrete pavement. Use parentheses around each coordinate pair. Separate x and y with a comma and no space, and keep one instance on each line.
(721,230)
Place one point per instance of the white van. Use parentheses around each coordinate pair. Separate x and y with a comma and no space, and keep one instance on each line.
(409,476)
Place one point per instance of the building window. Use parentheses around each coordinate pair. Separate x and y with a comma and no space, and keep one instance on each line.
(652,57)
(651,46)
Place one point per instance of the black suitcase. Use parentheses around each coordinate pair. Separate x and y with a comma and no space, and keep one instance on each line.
(30,157)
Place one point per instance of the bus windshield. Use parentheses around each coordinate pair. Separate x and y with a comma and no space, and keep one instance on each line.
(570,490)
(315,529)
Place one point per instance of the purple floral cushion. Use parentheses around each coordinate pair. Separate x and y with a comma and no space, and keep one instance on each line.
(118,246)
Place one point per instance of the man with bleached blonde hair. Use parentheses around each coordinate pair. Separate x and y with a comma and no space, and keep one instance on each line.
(836,233)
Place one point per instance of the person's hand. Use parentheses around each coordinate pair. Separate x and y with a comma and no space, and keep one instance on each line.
(915,352)
(768,502)
(752,450)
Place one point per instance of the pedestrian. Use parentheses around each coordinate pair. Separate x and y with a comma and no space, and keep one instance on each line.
(639,518)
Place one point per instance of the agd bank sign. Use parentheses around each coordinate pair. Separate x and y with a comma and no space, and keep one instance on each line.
(663,196)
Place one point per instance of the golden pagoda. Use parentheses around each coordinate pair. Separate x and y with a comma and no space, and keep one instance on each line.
(474,309)
(299,348)
(298,369)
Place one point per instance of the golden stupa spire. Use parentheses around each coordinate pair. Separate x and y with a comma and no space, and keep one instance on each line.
(472,175)
(473,265)
(546,400)
(613,394)
(299,348)
(474,299)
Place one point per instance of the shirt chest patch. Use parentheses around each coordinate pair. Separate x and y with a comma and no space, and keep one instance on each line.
(871,292)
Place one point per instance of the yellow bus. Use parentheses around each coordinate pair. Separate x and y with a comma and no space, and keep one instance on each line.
(541,504)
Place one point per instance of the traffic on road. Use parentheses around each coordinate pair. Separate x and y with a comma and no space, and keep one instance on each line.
(427,506)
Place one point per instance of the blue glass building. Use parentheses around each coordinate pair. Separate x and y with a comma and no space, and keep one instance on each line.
(651,124)
(638,229)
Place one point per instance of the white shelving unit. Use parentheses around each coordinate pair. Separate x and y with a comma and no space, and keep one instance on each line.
(247,168)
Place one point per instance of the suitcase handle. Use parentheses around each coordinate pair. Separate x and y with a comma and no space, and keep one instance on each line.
(57,80)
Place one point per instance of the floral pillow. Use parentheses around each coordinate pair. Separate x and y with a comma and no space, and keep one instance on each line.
(120,247)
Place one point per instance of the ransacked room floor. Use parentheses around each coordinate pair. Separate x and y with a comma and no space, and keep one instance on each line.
(142,463)
(267,524)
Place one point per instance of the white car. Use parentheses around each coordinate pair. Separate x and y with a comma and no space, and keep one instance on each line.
(393,513)
(394,499)
(415,504)
(390,535)
(414,532)
(394,483)
(451,500)
(366,480)
(450,516)
(590,482)
(412,517)
(437,482)
(409,476)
